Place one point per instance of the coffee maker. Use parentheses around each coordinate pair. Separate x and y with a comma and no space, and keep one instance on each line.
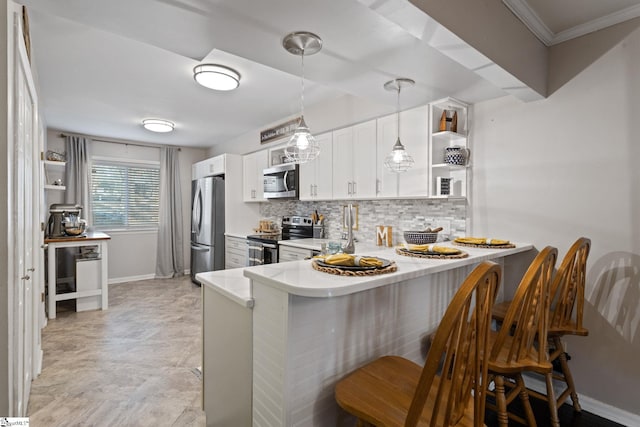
(58,214)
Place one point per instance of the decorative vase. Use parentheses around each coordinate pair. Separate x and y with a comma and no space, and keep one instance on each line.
(456,155)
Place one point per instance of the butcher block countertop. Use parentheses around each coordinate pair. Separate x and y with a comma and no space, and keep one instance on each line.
(89,235)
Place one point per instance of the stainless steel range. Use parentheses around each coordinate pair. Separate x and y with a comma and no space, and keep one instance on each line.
(263,249)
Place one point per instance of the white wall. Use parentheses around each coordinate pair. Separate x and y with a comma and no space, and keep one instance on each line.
(551,171)
(132,255)
(336,113)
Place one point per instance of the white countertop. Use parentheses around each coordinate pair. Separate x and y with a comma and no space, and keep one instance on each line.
(315,244)
(299,277)
(231,283)
(234,234)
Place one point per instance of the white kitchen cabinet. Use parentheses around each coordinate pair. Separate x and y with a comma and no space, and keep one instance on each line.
(235,255)
(354,162)
(289,253)
(448,180)
(414,135)
(316,176)
(252,166)
(208,167)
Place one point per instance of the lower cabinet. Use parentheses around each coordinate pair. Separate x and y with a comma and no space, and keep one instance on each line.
(235,255)
(289,253)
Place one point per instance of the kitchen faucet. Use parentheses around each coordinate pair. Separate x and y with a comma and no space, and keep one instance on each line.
(350,247)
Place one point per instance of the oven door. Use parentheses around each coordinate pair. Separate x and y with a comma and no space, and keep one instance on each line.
(255,252)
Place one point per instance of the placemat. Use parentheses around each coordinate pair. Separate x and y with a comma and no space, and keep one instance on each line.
(471,245)
(340,272)
(405,252)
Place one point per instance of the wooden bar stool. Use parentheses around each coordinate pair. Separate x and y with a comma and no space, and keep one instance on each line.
(514,350)
(393,391)
(567,292)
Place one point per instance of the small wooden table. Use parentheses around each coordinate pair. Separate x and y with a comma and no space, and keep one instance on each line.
(92,238)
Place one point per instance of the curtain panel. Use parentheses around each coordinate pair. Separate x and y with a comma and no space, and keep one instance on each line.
(170,255)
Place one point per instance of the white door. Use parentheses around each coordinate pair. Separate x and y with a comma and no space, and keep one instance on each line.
(414,134)
(24,133)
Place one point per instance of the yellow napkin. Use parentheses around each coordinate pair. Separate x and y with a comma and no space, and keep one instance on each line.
(433,248)
(348,260)
(480,241)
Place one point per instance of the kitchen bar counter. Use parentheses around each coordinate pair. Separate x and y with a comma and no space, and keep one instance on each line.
(299,278)
(308,329)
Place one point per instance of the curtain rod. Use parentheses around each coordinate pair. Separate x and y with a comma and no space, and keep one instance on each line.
(113,141)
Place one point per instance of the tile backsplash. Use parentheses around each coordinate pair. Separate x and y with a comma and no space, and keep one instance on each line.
(402,215)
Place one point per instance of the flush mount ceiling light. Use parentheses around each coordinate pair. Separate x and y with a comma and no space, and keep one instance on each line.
(398,160)
(217,77)
(302,147)
(158,125)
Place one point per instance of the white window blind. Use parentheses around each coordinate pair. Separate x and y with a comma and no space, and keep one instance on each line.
(124,196)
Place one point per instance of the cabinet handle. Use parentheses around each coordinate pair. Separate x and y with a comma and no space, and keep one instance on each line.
(315,190)
(31,269)
(311,190)
(349,188)
(355,187)
(26,277)
(377,186)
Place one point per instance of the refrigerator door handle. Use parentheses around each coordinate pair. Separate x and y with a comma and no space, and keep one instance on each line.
(196,212)
(200,248)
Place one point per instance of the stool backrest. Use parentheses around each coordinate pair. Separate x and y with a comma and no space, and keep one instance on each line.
(567,289)
(457,351)
(527,318)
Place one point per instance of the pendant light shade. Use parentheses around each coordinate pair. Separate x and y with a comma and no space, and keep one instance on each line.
(216,77)
(158,125)
(398,160)
(302,147)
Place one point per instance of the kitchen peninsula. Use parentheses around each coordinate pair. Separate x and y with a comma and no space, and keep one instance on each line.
(292,332)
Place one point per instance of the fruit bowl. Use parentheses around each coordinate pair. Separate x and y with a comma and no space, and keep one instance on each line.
(420,237)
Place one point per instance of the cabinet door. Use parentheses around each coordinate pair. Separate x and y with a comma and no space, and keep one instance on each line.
(252,166)
(342,163)
(364,160)
(387,185)
(323,189)
(316,177)
(414,134)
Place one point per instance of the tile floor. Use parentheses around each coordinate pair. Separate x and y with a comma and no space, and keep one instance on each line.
(130,365)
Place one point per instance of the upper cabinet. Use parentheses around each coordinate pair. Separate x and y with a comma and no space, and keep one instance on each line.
(414,135)
(449,148)
(354,162)
(253,183)
(316,176)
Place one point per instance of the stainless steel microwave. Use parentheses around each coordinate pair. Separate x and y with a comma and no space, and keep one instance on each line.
(281,181)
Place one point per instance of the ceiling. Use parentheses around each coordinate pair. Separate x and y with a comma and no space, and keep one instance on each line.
(103,66)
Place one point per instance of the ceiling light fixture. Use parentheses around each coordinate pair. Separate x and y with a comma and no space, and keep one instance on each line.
(398,160)
(216,77)
(302,147)
(158,125)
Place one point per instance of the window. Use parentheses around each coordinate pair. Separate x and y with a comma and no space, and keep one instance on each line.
(124,195)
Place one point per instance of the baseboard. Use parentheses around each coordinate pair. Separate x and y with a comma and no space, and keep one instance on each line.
(131,278)
(589,404)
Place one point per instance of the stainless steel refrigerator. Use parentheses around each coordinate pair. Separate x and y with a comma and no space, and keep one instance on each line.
(207,225)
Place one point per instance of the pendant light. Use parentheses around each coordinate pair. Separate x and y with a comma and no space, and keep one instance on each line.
(398,160)
(302,147)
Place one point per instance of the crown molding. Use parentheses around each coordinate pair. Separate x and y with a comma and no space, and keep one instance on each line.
(531,20)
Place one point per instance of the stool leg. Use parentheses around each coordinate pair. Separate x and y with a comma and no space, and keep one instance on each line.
(524,397)
(566,372)
(551,398)
(501,401)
